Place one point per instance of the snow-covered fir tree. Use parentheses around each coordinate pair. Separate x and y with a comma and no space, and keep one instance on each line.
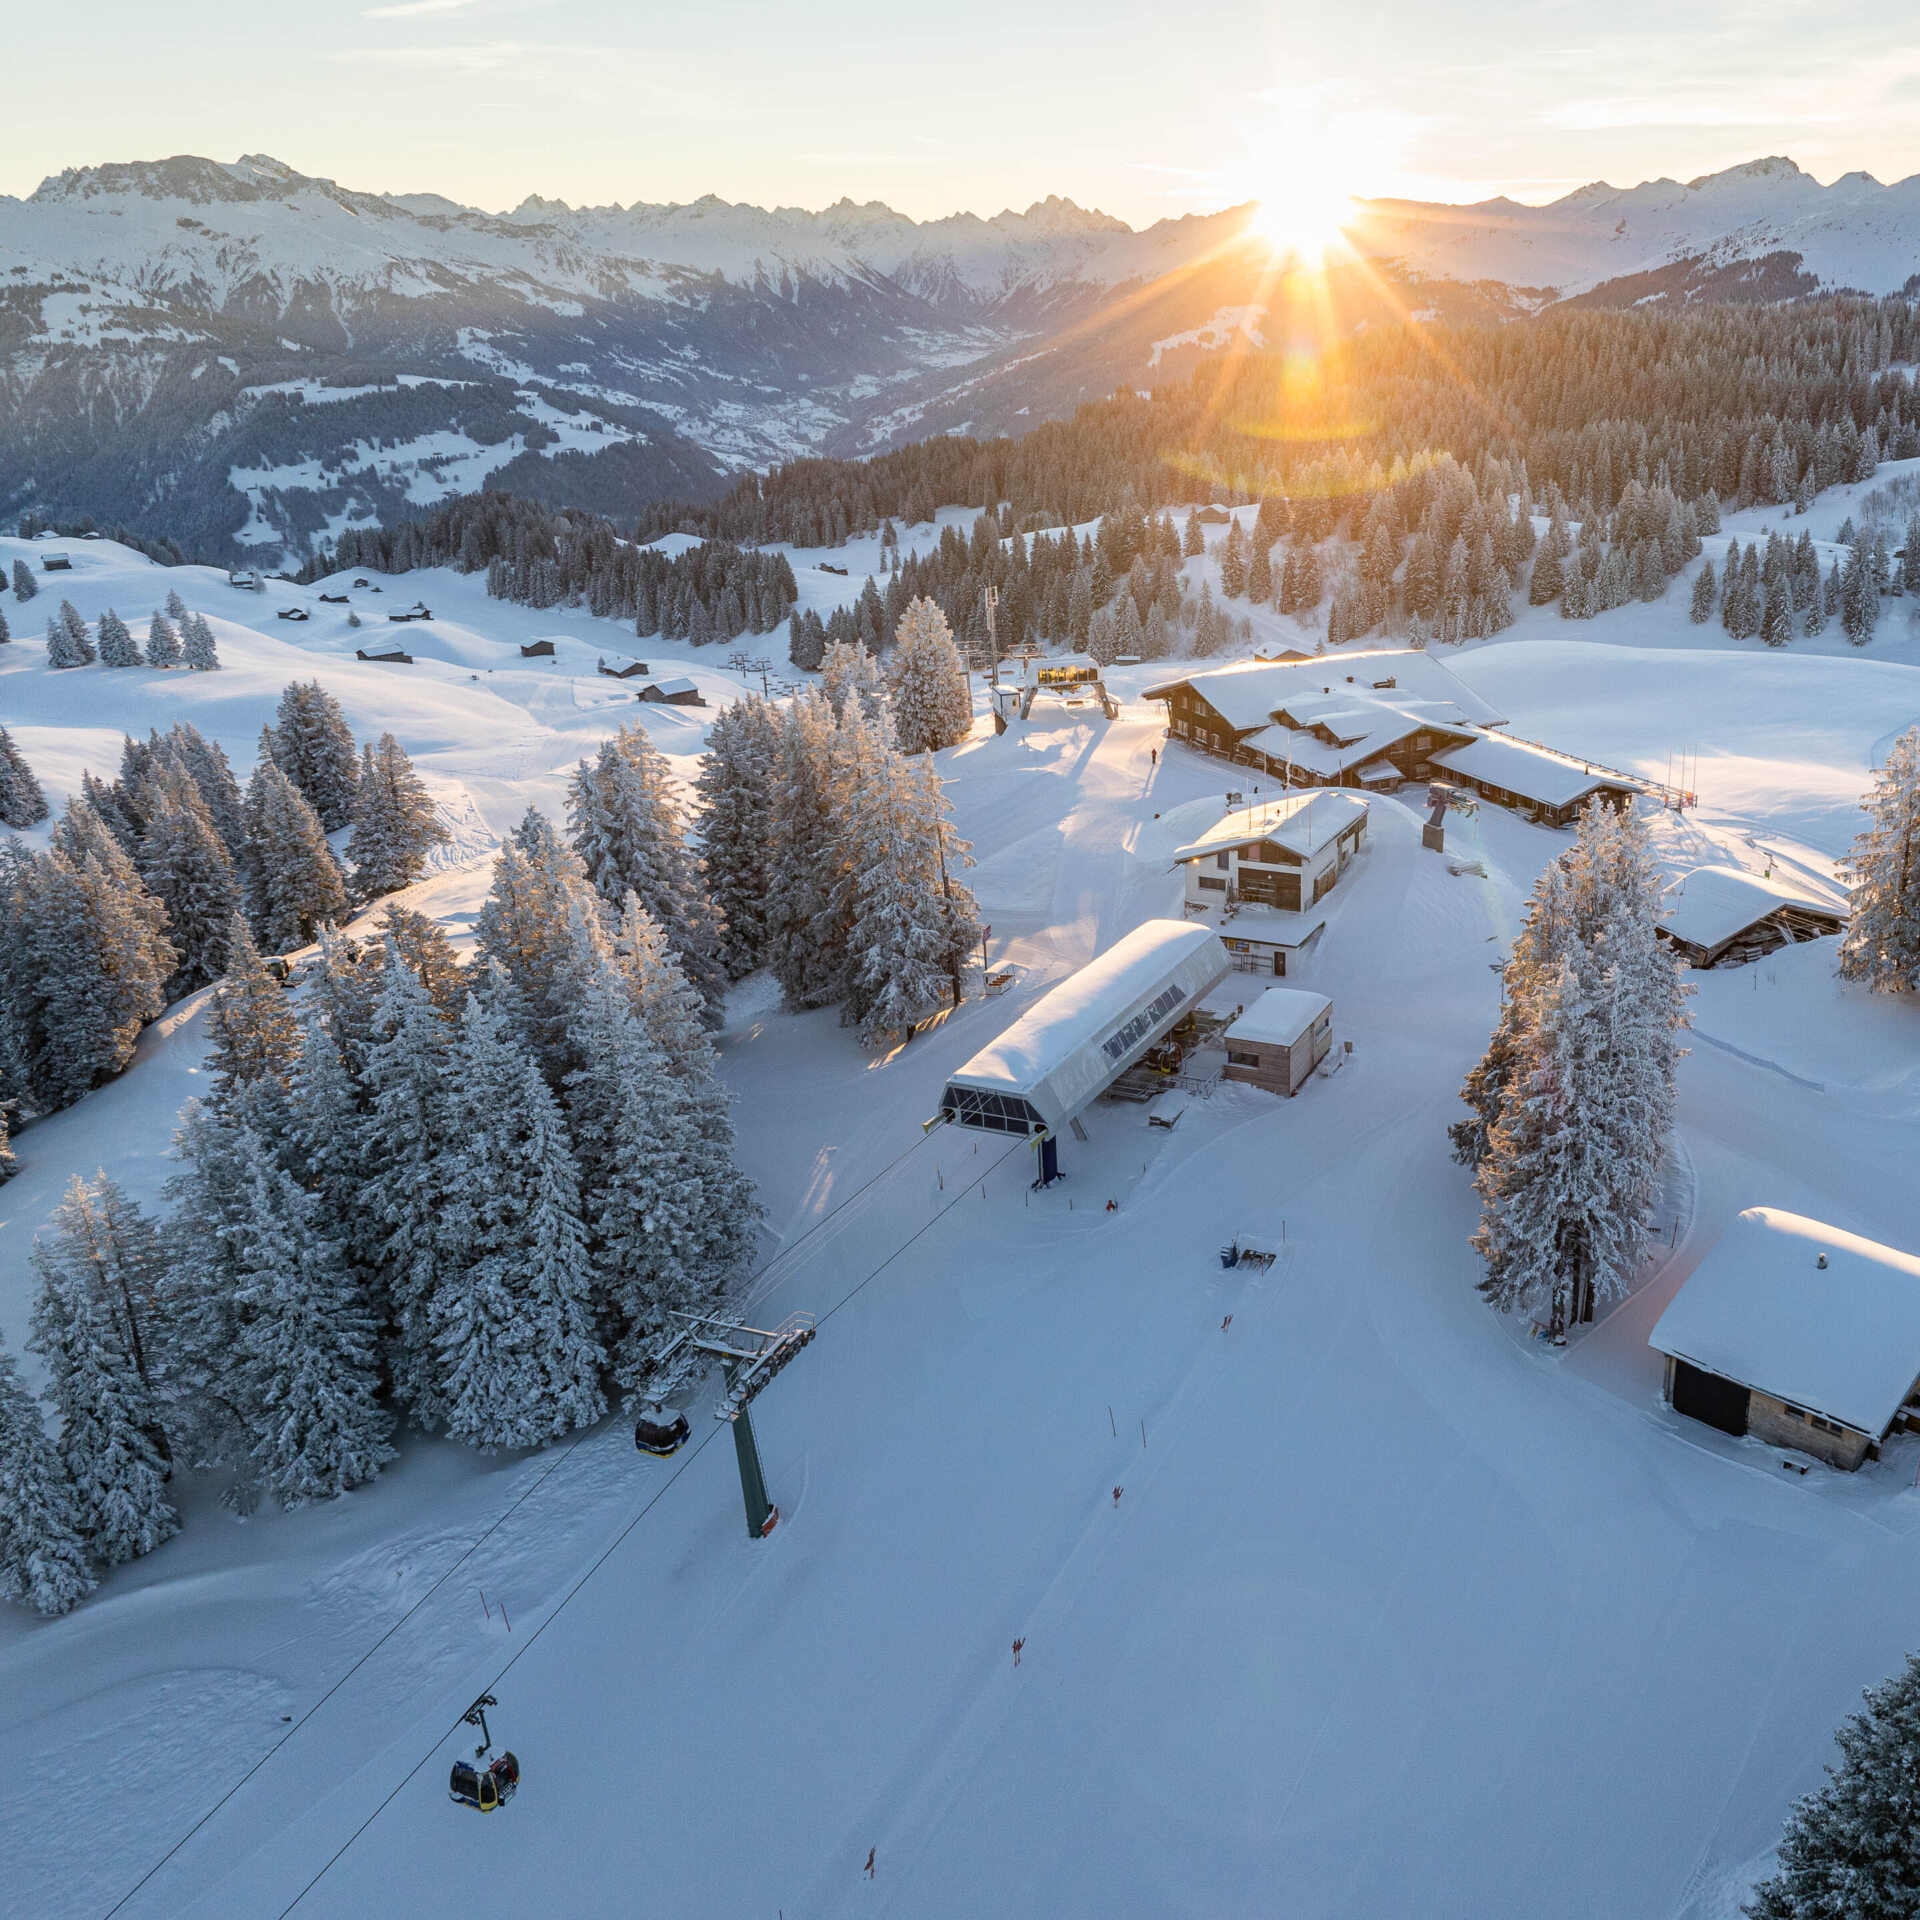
(63,649)
(423,945)
(83,835)
(806,945)
(163,642)
(932,702)
(43,1560)
(304,1373)
(640,1155)
(186,867)
(254,1038)
(516,1354)
(738,824)
(82,972)
(206,764)
(727,1209)
(311,743)
(197,648)
(537,878)
(118,648)
(395,823)
(1882,942)
(22,803)
(1700,607)
(112,1439)
(1576,1097)
(409,1093)
(293,882)
(909,921)
(847,670)
(24,584)
(1852,1850)
(626,826)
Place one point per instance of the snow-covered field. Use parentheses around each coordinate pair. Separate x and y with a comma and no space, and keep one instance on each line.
(1397,1612)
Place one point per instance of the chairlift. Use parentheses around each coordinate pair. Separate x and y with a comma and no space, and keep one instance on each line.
(659,1432)
(482,1784)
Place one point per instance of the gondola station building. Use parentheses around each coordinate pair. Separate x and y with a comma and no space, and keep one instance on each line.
(1083,1034)
(1800,1334)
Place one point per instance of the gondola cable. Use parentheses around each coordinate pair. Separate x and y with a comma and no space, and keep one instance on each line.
(560,1459)
(614,1545)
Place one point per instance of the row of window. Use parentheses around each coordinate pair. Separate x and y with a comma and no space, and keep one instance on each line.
(1812,1419)
(1116,1045)
(993,1112)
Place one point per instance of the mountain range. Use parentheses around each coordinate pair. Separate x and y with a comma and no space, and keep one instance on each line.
(250,358)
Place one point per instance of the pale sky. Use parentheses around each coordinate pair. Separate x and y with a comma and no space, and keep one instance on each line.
(1143,111)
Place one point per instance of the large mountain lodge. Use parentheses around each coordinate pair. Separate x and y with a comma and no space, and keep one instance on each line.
(1376,720)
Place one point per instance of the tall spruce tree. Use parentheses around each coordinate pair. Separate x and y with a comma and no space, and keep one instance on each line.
(43,1560)
(512,1320)
(627,829)
(806,944)
(163,642)
(22,804)
(932,701)
(304,1372)
(294,883)
(311,743)
(24,584)
(186,867)
(1575,1100)
(255,1040)
(395,823)
(205,763)
(739,828)
(112,1440)
(1882,943)
(409,1090)
(118,648)
(197,648)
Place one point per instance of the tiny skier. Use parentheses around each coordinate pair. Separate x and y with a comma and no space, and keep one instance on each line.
(1226,1323)
(871,1851)
(1117,1492)
(1017,1645)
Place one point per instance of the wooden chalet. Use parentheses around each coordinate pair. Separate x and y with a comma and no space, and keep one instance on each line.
(540,650)
(1718,917)
(391,655)
(672,693)
(633,670)
(1549,788)
(1359,720)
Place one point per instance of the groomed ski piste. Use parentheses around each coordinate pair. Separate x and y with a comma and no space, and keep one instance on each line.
(1357,1603)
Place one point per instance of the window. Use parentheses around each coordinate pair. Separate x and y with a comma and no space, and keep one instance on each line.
(1221,860)
(1212,883)
(1239,1057)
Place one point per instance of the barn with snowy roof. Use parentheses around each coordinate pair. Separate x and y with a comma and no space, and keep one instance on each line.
(1798,1333)
(1718,916)
(1083,1034)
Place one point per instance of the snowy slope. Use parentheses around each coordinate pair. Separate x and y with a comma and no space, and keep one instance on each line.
(1387,1588)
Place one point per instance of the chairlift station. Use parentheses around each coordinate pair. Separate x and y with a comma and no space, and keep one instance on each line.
(1082,1035)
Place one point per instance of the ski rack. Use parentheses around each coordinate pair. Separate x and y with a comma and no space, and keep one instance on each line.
(751,1355)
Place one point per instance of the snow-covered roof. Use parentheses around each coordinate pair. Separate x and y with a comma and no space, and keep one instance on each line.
(1534,773)
(1247,695)
(1302,822)
(1279,1017)
(1708,906)
(668,688)
(1091,1027)
(1841,1340)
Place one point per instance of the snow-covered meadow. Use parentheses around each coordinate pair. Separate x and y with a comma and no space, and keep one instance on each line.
(1395,1610)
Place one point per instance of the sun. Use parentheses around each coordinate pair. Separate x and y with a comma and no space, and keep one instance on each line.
(1303,213)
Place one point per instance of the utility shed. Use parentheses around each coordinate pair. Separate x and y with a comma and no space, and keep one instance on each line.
(1079,1037)
(1797,1333)
(1718,916)
(1280,1039)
